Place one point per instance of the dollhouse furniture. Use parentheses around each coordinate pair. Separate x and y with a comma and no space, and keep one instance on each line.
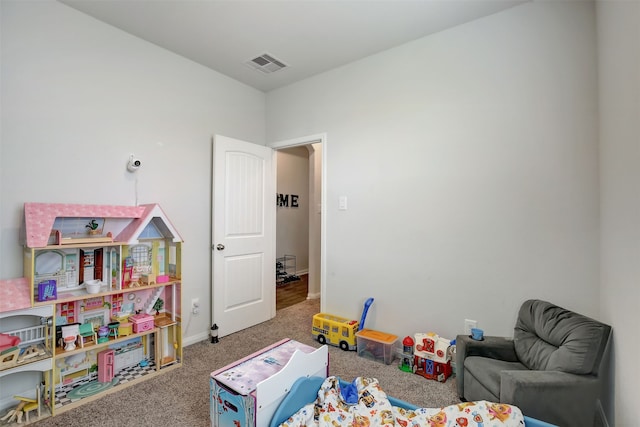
(59,257)
(25,406)
(125,328)
(71,336)
(28,405)
(246,393)
(113,329)
(87,334)
(106,363)
(551,369)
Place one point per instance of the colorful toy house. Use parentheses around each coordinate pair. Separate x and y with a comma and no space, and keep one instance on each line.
(432,358)
(135,254)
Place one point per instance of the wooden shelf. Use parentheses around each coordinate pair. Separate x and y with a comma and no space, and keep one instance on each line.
(91,244)
(61,353)
(79,294)
(75,241)
(162,321)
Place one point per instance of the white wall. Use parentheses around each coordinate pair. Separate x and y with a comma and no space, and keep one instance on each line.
(78,96)
(292,223)
(469,159)
(619,102)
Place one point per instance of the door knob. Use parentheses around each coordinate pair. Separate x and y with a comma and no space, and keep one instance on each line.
(220,247)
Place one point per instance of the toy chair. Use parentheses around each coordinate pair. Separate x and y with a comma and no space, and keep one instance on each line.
(552,368)
(32,404)
(25,406)
(87,333)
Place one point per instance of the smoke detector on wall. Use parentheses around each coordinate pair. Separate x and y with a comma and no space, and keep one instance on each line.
(266,63)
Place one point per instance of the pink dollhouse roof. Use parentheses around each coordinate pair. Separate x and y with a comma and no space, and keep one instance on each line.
(151,213)
(15,294)
(40,217)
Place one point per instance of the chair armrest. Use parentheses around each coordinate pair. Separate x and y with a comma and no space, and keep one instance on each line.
(500,348)
(556,397)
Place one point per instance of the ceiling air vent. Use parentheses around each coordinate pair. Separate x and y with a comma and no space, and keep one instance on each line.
(266,63)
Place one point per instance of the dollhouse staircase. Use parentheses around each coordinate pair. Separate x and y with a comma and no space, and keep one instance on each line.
(148,306)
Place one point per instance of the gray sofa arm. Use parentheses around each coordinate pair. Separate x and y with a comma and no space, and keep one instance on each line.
(493,347)
(551,396)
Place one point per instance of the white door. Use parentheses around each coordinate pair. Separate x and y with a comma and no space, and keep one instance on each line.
(244,198)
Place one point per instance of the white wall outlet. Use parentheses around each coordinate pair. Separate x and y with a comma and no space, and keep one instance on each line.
(195,305)
(468,324)
(342,203)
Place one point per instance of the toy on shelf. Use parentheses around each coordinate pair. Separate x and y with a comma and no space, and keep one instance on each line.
(70,334)
(25,406)
(9,349)
(432,358)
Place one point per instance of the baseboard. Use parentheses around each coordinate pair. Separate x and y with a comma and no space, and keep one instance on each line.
(313,296)
(301,272)
(601,417)
(195,338)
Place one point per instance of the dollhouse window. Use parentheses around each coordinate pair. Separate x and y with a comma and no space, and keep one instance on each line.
(150,232)
(49,262)
(141,255)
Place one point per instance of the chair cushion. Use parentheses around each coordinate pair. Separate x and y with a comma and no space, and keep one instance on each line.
(548,337)
(487,372)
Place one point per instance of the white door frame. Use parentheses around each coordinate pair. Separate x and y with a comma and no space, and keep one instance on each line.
(306,140)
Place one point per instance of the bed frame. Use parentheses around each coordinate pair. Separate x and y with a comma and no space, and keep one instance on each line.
(284,392)
(256,406)
(305,390)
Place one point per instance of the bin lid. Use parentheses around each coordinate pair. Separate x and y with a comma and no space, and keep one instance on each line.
(378,336)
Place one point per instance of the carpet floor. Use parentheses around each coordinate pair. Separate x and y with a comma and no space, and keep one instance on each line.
(181,396)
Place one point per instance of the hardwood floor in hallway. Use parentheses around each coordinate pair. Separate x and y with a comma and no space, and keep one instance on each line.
(292,293)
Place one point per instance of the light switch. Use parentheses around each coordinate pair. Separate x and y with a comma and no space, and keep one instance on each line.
(342,203)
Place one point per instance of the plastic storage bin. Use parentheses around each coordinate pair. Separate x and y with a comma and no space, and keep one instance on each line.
(377,345)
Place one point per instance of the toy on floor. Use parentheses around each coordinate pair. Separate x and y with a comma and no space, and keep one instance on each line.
(338,331)
(406,355)
(432,358)
(335,330)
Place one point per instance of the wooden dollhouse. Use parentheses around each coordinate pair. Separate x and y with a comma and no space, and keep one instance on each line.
(133,321)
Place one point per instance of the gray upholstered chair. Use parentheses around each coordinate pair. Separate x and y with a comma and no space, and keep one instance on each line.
(550,369)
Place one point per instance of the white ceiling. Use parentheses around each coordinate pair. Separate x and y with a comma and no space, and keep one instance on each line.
(309,36)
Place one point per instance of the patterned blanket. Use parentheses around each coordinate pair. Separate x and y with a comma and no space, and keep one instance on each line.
(374,409)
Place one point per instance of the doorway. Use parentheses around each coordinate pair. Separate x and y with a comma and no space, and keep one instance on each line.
(300,229)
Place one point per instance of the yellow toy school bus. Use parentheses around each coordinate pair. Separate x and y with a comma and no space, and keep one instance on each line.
(335,330)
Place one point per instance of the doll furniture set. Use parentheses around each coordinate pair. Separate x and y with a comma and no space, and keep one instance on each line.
(65,248)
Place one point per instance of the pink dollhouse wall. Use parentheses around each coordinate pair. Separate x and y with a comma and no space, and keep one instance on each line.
(14,294)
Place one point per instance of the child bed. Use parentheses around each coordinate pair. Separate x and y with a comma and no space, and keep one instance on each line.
(305,391)
(267,387)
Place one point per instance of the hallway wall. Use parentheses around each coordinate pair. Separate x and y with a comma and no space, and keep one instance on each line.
(292,223)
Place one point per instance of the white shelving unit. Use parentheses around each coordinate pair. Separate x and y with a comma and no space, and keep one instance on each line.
(286,269)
